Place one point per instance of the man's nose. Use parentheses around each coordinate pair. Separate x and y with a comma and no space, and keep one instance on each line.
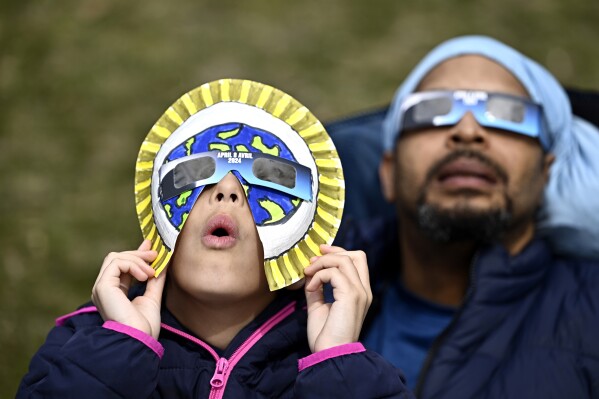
(467,132)
(228,190)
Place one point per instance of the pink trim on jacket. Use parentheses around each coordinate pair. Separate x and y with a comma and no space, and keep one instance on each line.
(141,336)
(341,350)
(225,366)
(191,338)
(63,319)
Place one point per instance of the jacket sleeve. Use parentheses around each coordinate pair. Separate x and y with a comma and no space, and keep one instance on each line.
(83,358)
(349,371)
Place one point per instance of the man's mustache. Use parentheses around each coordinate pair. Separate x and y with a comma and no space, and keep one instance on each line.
(470,154)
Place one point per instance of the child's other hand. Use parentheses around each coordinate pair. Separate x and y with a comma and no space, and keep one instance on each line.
(112,286)
(340,322)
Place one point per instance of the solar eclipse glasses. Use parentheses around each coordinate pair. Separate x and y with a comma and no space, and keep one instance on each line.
(495,110)
(187,173)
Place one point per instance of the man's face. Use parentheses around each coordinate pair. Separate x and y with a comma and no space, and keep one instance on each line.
(219,255)
(476,179)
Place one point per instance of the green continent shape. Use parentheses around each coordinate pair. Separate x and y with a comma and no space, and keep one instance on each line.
(168,210)
(296,202)
(188,145)
(219,147)
(241,148)
(228,134)
(260,146)
(274,210)
(183,219)
(182,200)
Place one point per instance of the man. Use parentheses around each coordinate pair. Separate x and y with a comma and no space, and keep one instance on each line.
(471,301)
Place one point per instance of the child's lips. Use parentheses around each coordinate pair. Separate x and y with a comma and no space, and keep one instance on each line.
(215,242)
(220,232)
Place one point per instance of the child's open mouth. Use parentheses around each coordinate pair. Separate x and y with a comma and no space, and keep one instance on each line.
(220,232)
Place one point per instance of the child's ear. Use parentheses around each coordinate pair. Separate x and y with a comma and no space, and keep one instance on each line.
(297,285)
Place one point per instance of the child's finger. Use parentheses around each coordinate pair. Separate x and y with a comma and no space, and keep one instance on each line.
(118,274)
(346,284)
(358,258)
(118,267)
(145,245)
(361,264)
(114,276)
(341,262)
(155,287)
(334,276)
(125,284)
(314,297)
(330,249)
(141,258)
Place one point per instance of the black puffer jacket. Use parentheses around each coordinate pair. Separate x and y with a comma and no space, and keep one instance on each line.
(84,357)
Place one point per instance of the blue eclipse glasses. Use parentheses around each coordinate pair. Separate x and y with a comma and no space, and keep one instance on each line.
(495,110)
(187,173)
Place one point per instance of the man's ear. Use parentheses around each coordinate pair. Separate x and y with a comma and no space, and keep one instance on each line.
(387,176)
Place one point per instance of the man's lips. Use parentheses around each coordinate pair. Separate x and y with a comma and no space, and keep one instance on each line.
(466,173)
(220,232)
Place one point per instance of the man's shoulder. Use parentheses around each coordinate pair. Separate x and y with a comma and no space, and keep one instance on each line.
(585,272)
(571,291)
(572,285)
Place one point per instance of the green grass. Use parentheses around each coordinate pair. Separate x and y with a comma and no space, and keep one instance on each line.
(81,82)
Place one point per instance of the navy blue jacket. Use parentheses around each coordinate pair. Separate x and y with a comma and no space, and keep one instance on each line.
(84,357)
(528,327)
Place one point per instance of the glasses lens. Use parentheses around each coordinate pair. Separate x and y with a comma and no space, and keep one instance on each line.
(193,170)
(506,109)
(427,110)
(274,172)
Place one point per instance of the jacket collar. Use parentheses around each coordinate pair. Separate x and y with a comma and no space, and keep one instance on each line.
(495,274)
(283,298)
(499,277)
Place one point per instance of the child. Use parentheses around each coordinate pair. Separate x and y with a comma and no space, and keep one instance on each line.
(208,325)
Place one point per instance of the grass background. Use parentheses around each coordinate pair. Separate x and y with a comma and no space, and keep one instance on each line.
(81,83)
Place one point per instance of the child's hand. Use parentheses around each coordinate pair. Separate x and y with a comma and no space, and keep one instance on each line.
(112,285)
(340,322)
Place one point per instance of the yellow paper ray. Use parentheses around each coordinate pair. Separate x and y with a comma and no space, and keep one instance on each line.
(264,96)
(174,116)
(189,104)
(206,95)
(224,90)
(297,116)
(161,131)
(142,185)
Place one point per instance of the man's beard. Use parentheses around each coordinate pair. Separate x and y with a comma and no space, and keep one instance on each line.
(454,225)
(463,223)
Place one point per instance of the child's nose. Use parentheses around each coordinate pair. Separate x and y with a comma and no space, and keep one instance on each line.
(228,190)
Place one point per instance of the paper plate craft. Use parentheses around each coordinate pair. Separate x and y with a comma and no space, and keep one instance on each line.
(280,152)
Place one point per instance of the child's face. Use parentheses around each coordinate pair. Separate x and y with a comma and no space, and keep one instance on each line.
(219,254)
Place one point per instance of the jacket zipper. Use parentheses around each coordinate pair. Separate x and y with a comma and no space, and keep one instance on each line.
(225,366)
(432,352)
